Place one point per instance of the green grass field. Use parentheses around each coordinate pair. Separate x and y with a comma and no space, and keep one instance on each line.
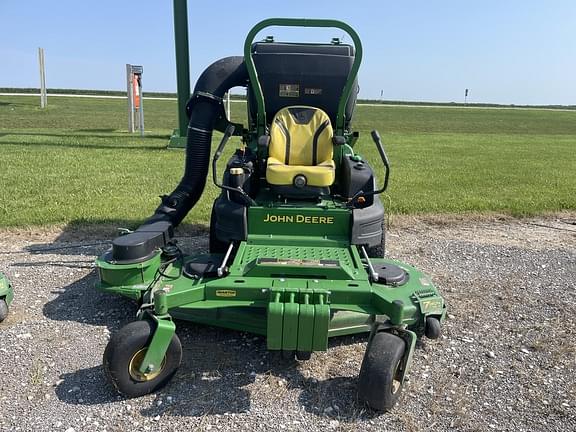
(75,163)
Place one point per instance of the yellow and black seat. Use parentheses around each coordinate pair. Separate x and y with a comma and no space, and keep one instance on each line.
(300,152)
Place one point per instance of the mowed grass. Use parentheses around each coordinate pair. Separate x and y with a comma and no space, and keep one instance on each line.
(75,163)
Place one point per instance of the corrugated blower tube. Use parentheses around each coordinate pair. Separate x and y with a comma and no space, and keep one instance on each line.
(205,108)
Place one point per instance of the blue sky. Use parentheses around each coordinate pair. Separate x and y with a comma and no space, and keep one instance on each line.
(506,51)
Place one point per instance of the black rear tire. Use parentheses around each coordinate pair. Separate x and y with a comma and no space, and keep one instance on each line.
(379,383)
(125,352)
(379,250)
(215,244)
(3,310)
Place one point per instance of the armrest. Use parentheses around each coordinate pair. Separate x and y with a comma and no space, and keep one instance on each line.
(263,144)
(338,140)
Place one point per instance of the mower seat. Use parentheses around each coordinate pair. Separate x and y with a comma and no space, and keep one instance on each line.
(300,153)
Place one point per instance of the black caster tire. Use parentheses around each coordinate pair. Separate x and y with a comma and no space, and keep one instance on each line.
(3,310)
(379,384)
(432,330)
(378,251)
(124,354)
(303,355)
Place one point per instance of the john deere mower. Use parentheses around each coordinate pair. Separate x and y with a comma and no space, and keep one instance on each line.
(296,235)
(6,296)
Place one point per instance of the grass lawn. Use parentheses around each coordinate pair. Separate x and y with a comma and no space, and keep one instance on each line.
(75,162)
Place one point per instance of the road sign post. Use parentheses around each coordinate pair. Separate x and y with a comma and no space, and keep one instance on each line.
(135,103)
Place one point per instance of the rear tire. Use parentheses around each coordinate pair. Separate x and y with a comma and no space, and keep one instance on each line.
(124,354)
(379,381)
(3,310)
(215,245)
(379,250)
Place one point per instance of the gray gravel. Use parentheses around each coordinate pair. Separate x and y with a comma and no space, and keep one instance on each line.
(507,359)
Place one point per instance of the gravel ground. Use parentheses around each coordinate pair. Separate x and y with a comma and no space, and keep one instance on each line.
(506,361)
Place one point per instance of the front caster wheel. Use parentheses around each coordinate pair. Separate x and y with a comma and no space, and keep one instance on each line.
(3,310)
(380,379)
(124,355)
(432,330)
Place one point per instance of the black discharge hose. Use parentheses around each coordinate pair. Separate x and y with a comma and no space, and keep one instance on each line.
(206,111)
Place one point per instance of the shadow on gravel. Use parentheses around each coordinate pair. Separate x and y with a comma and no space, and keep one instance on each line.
(81,302)
(86,387)
(218,367)
(335,398)
(222,371)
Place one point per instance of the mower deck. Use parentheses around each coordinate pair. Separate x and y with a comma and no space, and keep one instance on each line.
(277,283)
(6,296)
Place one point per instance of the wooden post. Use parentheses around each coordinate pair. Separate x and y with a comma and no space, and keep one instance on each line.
(129,90)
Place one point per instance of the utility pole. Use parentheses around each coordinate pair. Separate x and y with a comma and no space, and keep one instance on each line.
(178,138)
(43,95)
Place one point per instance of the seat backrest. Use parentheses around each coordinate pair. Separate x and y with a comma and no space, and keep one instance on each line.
(301,135)
(303,74)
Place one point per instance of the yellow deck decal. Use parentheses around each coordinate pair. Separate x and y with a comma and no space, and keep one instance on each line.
(225,293)
(431,305)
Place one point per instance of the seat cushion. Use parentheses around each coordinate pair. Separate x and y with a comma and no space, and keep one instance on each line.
(320,175)
(300,143)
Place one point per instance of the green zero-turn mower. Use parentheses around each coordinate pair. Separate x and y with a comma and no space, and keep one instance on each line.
(6,296)
(296,235)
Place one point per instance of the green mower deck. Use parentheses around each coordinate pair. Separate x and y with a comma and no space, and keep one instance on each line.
(295,296)
(6,296)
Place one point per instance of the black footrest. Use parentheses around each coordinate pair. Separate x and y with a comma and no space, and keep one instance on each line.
(203,266)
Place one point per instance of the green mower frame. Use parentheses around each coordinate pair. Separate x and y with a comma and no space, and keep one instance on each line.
(6,296)
(298,275)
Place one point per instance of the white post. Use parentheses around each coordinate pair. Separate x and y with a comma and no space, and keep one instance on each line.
(228,113)
(43,95)
(130,97)
(141,108)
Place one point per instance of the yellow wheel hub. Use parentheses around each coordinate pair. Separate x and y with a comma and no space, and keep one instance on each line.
(135,363)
